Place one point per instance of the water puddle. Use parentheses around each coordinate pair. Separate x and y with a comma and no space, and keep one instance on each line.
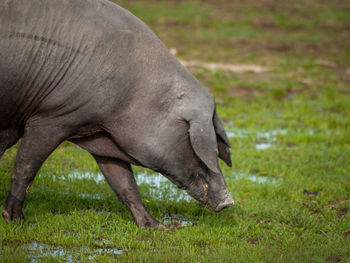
(37,251)
(261,179)
(91,196)
(255,178)
(235,133)
(152,179)
(97,177)
(161,188)
(177,221)
(262,145)
(263,140)
(267,139)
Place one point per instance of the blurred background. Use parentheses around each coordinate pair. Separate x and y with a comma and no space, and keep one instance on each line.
(281,50)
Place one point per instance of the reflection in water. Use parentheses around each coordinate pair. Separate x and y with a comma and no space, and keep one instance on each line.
(161,188)
(97,177)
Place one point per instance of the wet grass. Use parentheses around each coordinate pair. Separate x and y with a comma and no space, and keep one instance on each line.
(290,132)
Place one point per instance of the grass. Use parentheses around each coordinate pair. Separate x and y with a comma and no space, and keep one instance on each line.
(299,108)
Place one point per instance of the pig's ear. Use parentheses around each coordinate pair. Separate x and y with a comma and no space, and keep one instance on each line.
(222,140)
(203,140)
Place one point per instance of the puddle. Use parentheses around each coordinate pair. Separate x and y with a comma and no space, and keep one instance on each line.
(264,140)
(268,138)
(261,179)
(262,146)
(271,134)
(236,133)
(91,196)
(177,220)
(161,188)
(97,177)
(152,179)
(37,251)
(255,178)
(311,132)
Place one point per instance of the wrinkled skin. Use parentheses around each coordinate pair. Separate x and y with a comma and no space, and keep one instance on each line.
(90,72)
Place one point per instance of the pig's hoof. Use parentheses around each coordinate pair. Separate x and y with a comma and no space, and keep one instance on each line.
(13,209)
(6,216)
(9,217)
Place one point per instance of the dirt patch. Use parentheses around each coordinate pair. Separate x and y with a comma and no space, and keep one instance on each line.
(343,212)
(345,76)
(176,221)
(306,192)
(263,23)
(227,67)
(221,66)
(341,208)
(290,7)
(268,46)
(245,92)
(245,45)
(326,63)
(174,225)
(253,240)
(333,259)
(347,233)
(250,92)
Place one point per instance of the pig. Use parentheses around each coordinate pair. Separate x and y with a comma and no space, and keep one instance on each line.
(90,72)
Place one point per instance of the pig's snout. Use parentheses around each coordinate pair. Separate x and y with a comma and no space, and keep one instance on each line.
(226,202)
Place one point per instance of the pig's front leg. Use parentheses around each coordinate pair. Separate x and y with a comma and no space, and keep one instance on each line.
(120,177)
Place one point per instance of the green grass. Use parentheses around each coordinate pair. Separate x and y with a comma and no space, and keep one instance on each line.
(300,108)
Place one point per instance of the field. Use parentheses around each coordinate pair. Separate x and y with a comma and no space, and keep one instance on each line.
(288,119)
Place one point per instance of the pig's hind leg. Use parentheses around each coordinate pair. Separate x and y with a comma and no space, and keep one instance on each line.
(120,177)
(7,139)
(37,143)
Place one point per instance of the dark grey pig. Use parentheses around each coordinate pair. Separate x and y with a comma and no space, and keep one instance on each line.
(90,72)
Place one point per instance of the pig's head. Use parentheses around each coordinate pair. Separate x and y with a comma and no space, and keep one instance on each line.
(188,147)
(208,140)
(195,165)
